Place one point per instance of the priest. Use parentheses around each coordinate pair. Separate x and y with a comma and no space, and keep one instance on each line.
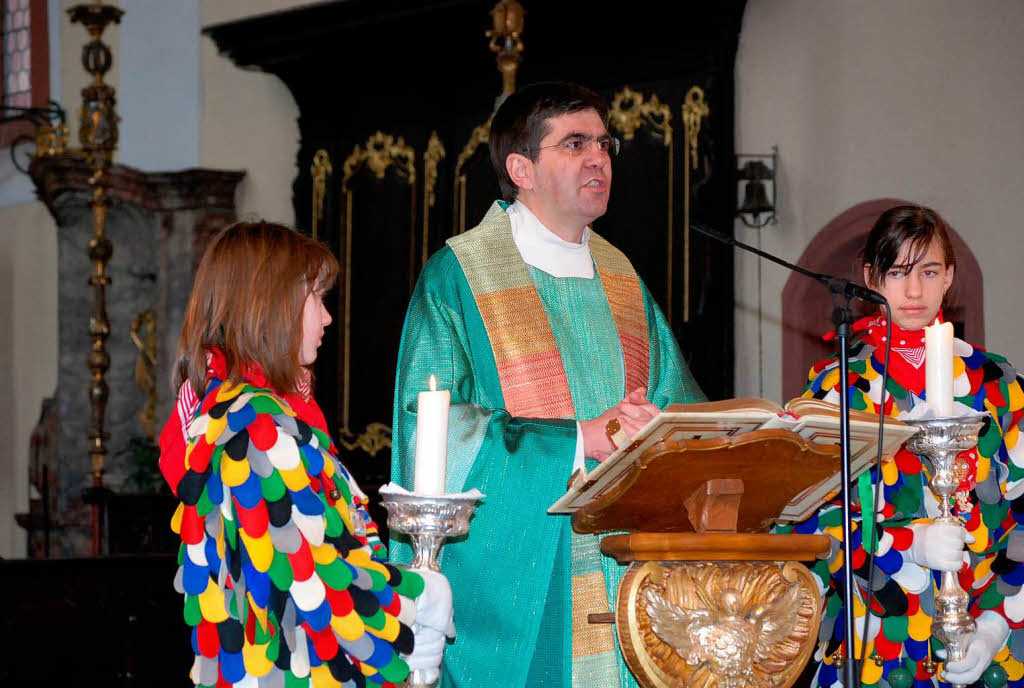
(552,347)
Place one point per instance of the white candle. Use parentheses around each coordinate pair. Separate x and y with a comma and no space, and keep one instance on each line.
(938,367)
(431,439)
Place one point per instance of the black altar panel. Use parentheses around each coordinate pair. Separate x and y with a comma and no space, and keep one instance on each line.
(418,70)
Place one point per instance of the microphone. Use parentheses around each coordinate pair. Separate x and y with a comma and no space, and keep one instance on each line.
(837,285)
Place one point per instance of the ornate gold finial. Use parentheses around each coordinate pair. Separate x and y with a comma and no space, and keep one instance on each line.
(98,135)
(508,18)
(694,110)
(320,168)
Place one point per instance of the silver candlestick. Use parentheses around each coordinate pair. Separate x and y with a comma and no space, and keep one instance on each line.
(941,440)
(428,520)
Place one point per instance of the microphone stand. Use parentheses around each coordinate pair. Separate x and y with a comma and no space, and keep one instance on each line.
(843,291)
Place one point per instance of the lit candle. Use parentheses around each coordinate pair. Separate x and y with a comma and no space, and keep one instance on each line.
(431,439)
(938,367)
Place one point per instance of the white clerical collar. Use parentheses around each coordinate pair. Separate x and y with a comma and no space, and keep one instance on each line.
(544,250)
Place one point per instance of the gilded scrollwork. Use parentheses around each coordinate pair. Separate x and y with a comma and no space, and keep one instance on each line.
(381,152)
(431,159)
(319,170)
(375,438)
(718,624)
(630,111)
(695,109)
(694,112)
(476,139)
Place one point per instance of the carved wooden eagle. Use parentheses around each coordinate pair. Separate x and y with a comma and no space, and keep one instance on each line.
(728,638)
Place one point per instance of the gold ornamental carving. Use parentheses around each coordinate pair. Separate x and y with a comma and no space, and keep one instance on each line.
(479,137)
(319,170)
(508,17)
(431,159)
(375,438)
(695,109)
(630,111)
(717,624)
(380,153)
(144,336)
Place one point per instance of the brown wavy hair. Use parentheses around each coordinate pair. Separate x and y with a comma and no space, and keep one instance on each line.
(247,300)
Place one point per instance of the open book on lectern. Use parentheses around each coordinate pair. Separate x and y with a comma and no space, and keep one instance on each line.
(812,419)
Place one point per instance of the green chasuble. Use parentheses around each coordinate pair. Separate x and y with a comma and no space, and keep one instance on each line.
(511,576)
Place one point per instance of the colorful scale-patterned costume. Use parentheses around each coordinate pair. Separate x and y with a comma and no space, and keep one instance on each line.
(284,578)
(988,501)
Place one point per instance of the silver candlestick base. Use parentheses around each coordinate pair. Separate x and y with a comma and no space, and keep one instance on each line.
(941,440)
(428,520)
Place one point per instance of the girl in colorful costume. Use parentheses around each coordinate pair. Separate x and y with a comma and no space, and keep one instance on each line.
(909,259)
(285,580)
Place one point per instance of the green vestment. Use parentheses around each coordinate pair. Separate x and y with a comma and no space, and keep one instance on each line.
(511,575)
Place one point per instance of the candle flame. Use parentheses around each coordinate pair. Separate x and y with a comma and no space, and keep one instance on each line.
(432,383)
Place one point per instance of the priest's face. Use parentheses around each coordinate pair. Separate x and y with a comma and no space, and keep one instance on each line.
(314,319)
(915,292)
(571,176)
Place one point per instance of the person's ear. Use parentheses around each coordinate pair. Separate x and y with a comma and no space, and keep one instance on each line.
(520,170)
(948,281)
(867,276)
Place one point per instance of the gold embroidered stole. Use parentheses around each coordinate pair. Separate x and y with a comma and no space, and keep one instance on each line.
(530,370)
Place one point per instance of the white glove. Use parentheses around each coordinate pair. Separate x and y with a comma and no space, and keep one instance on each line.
(434,621)
(939,546)
(981,648)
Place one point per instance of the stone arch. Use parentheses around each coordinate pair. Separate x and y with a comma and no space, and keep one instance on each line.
(807,306)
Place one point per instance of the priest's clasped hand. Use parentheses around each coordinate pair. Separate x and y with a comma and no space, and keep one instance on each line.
(633,412)
(939,546)
(435,621)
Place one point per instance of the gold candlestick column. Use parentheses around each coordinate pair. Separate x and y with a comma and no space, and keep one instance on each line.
(98,135)
(505,41)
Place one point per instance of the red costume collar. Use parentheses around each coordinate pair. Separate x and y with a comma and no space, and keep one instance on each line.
(906,362)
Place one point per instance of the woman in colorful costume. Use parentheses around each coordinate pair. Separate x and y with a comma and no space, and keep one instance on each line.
(909,259)
(285,580)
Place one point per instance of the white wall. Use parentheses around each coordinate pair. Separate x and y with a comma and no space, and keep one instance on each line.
(918,99)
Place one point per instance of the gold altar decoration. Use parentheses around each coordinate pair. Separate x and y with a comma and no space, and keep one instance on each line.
(505,35)
(694,111)
(707,624)
(319,170)
(144,336)
(375,438)
(98,135)
(479,137)
(431,159)
(51,140)
(380,153)
(630,111)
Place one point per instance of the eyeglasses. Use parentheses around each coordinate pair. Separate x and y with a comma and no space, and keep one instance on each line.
(578,145)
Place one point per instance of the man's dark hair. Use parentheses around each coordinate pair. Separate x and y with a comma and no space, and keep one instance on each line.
(521,122)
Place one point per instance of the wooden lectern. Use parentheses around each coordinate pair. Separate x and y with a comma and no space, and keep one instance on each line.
(710,598)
